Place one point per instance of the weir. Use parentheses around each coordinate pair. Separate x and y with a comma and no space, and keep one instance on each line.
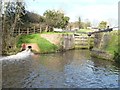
(18,56)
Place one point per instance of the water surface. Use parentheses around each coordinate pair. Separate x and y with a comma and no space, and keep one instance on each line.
(71,69)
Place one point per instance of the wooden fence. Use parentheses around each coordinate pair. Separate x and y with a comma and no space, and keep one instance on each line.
(32,30)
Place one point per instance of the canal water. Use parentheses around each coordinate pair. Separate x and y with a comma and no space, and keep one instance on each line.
(70,69)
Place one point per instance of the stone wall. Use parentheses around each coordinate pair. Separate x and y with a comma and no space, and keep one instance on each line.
(63,41)
(102,41)
(101,54)
(53,38)
(68,41)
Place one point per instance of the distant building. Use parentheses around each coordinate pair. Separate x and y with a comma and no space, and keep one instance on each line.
(95,28)
(115,28)
(89,27)
(57,30)
(74,29)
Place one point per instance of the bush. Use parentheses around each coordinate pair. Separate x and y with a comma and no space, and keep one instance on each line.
(117,56)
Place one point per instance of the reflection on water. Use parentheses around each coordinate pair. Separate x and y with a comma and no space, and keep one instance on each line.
(71,69)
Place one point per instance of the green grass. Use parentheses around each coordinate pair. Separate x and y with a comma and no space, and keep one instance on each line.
(57,33)
(51,32)
(44,45)
(113,43)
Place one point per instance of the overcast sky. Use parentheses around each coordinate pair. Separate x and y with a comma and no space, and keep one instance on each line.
(93,10)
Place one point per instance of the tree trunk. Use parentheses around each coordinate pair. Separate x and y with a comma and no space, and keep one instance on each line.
(4,37)
(46,29)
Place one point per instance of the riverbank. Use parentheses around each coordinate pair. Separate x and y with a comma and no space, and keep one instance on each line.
(47,42)
(35,39)
(56,42)
(105,44)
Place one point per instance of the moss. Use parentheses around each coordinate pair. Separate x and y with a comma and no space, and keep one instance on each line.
(57,33)
(112,45)
(117,56)
(101,54)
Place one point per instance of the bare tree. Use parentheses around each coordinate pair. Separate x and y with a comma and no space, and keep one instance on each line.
(11,18)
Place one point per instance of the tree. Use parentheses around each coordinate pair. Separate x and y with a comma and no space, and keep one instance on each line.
(49,18)
(79,22)
(88,24)
(13,11)
(102,25)
(31,17)
(63,23)
(55,19)
(0,27)
(76,25)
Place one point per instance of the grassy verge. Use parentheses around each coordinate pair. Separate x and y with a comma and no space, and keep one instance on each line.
(113,46)
(57,33)
(44,45)
(113,43)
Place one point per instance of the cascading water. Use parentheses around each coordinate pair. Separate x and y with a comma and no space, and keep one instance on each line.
(21,55)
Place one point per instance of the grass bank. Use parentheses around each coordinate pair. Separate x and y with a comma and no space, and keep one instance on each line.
(44,45)
(112,45)
(56,33)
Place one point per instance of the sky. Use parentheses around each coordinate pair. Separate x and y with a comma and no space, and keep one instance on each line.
(89,10)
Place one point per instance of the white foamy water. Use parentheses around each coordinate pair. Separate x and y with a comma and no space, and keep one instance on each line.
(20,55)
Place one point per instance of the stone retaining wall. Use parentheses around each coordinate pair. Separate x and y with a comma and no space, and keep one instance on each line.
(101,43)
(63,41)
(67,41)
(101,54)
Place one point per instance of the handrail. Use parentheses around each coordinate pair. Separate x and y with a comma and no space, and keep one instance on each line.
(105,30)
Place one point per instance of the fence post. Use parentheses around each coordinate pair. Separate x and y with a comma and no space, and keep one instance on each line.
(19,31)
(40,29)
(34,29)
(27,30)
(89,42)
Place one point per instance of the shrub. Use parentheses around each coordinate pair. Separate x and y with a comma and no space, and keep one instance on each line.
(117,56)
